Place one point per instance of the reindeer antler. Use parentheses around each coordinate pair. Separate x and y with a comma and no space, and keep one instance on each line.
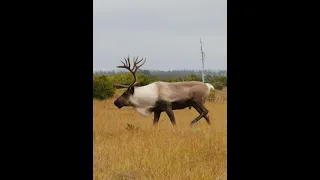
(132,70)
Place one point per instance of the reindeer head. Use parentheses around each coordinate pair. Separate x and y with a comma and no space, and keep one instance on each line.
(124,99)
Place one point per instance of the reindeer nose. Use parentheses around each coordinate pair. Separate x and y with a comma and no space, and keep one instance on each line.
(116,103)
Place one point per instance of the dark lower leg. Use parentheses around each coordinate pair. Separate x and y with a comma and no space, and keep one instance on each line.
(203,111)
(171,115)
(205,117)
(156,117)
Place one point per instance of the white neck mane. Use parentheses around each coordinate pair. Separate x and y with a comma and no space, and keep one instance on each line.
(144,98)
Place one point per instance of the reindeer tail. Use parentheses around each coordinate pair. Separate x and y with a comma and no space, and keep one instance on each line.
(210,86)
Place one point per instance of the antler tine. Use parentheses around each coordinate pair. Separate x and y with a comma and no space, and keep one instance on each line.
(124,66)
(124,63)
(129,61)
(125,60)
(136,66)
(135,61)
(139,60)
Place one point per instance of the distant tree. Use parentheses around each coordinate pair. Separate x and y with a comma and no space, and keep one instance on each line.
(145,72)
(193,77)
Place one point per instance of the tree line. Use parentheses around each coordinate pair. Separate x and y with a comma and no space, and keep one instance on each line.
(102,82)
(169,73)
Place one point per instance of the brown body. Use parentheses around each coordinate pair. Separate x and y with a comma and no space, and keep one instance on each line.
(180,91)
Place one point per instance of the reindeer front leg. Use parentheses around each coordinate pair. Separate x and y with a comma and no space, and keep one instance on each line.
(156,117)
(166,106)
(171,115)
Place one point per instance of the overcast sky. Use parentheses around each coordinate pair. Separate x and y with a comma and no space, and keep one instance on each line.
(166,32)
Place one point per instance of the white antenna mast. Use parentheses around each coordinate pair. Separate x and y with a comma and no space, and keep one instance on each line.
(202,59)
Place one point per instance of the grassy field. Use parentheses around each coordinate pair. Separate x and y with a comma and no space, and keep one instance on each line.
(142,151)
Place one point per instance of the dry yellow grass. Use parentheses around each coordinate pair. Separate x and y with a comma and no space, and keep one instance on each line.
(159,153)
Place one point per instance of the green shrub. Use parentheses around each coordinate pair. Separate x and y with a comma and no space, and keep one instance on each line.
(127,78)
(218,85)
(102,87)
(212,95)
(122,78)
(193,77)
(218,82)
(143,79)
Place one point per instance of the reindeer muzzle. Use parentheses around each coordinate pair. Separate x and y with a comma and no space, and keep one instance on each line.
(119,106)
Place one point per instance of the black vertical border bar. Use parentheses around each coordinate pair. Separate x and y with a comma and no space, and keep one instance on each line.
(246,109)
(49,84)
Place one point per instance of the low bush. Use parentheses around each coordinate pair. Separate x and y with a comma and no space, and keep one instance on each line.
(102,87)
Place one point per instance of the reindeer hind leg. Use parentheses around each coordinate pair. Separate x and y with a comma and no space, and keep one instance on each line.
(204,111)
(206,117)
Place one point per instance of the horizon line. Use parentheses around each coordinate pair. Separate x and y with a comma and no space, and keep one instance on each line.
(163,69)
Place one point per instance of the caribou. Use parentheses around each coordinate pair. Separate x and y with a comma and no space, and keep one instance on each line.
(161,96)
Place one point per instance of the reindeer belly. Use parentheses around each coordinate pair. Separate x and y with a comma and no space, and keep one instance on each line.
(181,104)
(144,111)
(162,105)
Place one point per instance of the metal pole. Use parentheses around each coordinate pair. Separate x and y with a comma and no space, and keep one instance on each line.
(202,59)
(202,71)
